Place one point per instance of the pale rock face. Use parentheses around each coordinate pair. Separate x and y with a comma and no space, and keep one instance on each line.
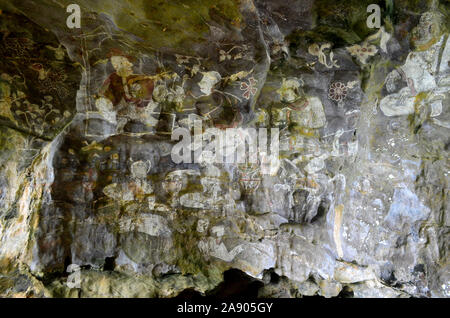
(253,258)
(106,109)
(118,192)
(354,204)
(349,273)
(399,104)
(405,209)
(151,224)
(289,90)
(208,81)
(139,169)
(122,65)
(312,116)
(329,288)
(419,68)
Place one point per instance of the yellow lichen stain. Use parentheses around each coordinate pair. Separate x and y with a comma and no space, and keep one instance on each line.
(418,99)
(306,131)
(337,228)
(5,264)
(428,45)
(93,146)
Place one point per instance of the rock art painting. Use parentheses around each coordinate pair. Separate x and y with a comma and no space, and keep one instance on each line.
(311,140)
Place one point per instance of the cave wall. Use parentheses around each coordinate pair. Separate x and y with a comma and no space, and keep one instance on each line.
(93,205)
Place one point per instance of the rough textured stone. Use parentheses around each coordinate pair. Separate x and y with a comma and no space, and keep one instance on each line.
(356,203)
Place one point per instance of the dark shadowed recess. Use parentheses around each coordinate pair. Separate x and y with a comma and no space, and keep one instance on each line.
(235,284)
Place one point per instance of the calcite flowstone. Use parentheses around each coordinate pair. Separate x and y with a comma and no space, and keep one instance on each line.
(354,204)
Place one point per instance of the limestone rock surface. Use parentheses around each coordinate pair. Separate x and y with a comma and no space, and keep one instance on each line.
(356,202)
